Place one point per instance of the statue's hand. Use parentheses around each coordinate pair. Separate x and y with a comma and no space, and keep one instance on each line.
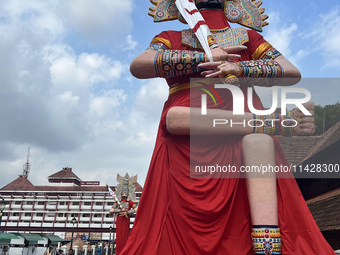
(305,123)
(219,69)
(225,53)
(123,213)
(222,65)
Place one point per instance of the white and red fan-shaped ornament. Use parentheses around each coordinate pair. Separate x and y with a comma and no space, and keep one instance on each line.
(193,17)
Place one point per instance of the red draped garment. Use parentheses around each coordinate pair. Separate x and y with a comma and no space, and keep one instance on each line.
(187,216)
(123,228)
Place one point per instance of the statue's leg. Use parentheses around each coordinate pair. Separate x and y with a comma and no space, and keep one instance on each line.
(258,151)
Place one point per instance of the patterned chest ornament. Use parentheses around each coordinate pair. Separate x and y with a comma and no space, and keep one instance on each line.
(224,37)
(244,12)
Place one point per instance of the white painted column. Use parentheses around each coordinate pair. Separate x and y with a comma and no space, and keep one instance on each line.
(85,249)
(93,249)
(64,248)
(76,247)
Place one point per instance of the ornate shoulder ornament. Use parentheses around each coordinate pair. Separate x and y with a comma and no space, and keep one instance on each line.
(247,13)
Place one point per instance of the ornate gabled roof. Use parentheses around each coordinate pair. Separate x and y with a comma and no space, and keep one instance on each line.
(21,183)
(66,173)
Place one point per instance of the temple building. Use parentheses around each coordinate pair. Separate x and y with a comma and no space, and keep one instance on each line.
(320,188)
(50,209)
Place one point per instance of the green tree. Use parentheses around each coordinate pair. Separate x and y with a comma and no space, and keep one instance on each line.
(326,116)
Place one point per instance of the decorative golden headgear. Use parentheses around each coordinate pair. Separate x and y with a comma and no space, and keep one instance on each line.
(125,185)
(247,13)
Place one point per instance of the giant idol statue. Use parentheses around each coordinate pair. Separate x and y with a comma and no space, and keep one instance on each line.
(180,214)
(124,207)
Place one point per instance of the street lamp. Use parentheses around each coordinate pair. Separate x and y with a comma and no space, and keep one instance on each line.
(110,241)
(74,221)
(2,207)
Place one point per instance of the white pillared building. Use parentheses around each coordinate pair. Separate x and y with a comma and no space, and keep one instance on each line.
(50,209)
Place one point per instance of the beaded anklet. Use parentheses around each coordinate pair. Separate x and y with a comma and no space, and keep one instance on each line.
(266,240)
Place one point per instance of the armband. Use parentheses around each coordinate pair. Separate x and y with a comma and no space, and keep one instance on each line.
(289,123)
(157,47)
(265,73)
(272,124)
(271,53)
(172,63)
(267,124)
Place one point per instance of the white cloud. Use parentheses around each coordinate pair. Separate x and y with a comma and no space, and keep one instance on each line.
(280,34)
(72,104)
(326,36)
(300,55)
(150,98)
(35,15)
(130,44)
(85,70)
(51,97)
(96,20)
(67,97)
(104,106)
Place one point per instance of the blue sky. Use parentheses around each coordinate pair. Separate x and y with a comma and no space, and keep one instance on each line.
(66,89)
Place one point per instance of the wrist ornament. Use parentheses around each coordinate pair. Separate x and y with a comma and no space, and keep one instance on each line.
(212,42)
(274,124)
(131,212)
(172,63)
(265,73)
(290,121)
(267,124)
(231,79)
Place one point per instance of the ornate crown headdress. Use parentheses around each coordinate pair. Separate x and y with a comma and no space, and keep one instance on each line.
(247,13)
(126,186)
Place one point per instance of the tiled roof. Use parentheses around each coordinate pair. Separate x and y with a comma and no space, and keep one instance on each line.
(66,173)
(296,147)
(70,188)
(60,188)
(21,183)
(325,210)
(138,187)
(331,136)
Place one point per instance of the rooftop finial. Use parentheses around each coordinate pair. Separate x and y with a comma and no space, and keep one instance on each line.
(27,165)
